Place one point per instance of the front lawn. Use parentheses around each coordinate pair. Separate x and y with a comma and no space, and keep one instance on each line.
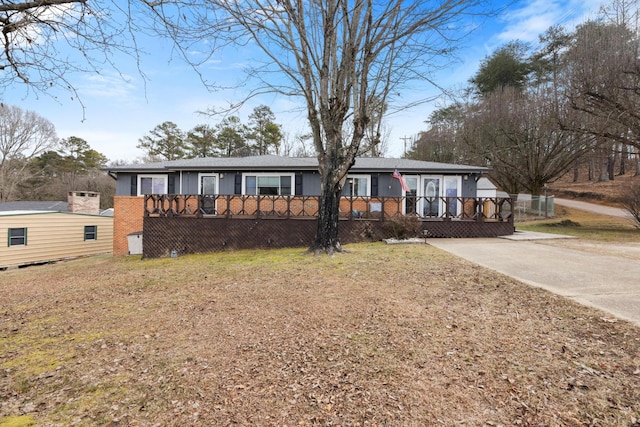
(401,335)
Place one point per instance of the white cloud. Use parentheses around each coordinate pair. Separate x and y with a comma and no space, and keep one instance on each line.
(526,20)
(106,85)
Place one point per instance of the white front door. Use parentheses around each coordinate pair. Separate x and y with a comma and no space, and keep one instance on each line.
(208,183)
(431,203)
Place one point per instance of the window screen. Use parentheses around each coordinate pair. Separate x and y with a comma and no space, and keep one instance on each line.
(90,232)
(17,237)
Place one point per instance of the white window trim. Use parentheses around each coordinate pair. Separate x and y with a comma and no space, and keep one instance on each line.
(406,177)
(166,182)
(278,174)
(404,193)
(458,179)
(458,184)
(216,175)
(361,176)
(442,191)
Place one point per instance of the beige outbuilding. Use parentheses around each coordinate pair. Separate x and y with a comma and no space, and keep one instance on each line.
(34,236)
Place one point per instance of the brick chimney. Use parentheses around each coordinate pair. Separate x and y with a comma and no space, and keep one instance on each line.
(84,202)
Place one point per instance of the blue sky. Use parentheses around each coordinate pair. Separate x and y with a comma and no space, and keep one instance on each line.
(118,112)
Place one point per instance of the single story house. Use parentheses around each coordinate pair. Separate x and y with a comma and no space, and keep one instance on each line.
(275,187)
(35,236)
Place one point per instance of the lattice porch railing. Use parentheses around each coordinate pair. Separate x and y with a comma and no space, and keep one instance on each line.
(351,208)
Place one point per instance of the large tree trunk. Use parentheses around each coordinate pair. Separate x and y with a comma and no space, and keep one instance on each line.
(333,169)
(624,155)
(327,239)
(604,166)
(612,158)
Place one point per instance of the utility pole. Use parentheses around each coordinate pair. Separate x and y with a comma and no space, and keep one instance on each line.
(404,139)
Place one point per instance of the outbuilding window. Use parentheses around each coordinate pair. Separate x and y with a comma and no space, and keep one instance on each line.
(17,237)
(90,232)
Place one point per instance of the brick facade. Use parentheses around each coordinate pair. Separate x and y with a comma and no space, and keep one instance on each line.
(129,216)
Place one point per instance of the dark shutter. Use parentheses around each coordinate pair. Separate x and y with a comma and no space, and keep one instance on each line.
(134,185)
(298,191)
(171,185)
(374,185)
(238,184)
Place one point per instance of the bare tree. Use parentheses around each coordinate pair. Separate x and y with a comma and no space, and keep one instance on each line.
(338,56)
(23,136)
(441,142)
(44,42)
(375,140)
(603,75)
(519,136)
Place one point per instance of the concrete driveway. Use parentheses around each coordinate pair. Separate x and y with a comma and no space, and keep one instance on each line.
(597,277)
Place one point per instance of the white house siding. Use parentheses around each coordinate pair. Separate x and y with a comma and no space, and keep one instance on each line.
(53,236)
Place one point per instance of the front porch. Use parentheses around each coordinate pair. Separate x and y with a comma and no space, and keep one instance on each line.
(185,224)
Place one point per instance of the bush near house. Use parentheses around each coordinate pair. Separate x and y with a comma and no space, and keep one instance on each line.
(403,227)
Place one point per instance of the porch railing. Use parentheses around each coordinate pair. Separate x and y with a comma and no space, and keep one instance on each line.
(351,208)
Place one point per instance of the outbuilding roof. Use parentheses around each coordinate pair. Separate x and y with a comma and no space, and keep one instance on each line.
(36,212)
(280,163)
(40,206)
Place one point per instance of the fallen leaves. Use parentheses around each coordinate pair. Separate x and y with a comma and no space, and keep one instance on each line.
(246,338)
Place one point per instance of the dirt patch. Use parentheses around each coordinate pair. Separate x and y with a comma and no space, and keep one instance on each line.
(383,335)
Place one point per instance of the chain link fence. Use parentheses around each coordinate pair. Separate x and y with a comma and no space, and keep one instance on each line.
(528,207)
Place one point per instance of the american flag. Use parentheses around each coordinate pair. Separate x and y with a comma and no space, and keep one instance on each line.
(403,183)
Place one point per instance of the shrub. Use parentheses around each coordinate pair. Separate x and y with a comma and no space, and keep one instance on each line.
(631,202)
(565,223)
(403,227)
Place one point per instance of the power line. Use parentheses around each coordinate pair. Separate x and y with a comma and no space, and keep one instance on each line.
(404,139)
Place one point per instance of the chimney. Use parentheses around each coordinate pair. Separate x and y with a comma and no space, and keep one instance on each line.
(84,202)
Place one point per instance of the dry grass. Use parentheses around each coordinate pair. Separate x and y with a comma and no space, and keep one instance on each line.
(401,335)
(604,192)
(586,225)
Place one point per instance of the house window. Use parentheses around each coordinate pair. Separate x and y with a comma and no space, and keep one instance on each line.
(17,237)
(90,232)
(269,185)
(357,186)
(152,184)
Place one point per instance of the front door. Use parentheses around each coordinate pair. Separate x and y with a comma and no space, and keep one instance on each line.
(431,204)
(208,190)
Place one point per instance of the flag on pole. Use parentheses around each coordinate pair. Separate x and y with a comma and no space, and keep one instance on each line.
(403,183)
